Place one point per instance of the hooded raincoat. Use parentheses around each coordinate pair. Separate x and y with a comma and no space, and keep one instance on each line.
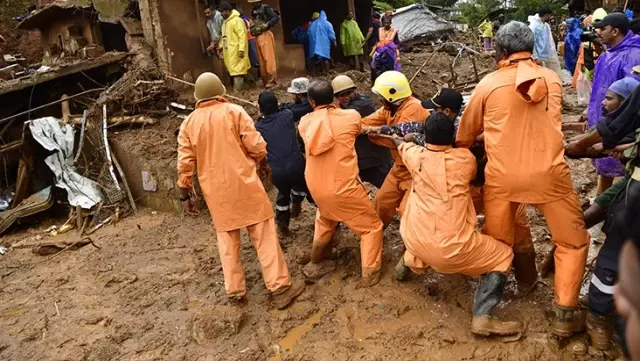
(438,226)
(220,143)
(234,40)
(614,64)
(321,35)
(329,136)
(519,108)
(351,38)
(572,44)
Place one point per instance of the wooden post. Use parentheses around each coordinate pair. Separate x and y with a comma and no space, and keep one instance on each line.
(352,9)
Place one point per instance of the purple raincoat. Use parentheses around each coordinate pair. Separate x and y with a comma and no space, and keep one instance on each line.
(385,58)
(614,64)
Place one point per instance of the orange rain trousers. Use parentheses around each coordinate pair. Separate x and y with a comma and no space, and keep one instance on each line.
(267,56)
(274,266)
(566,223)
(332,177)
(393,194)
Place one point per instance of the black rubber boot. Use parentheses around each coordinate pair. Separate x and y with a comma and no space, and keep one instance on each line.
(488,296)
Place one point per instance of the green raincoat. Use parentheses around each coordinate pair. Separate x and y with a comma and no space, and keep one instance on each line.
(351,38)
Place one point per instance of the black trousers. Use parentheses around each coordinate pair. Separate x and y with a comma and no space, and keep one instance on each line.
(292,188)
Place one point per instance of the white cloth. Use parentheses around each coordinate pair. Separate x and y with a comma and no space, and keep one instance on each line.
(59,139)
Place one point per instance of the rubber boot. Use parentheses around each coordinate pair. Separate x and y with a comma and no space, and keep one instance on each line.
(283,229)
(369,278)
(296,208)
(600,330)
(282,299)
(402,271)
(488,296)
(567,322)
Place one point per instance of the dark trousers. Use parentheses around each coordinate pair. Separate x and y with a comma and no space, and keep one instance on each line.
(292,188)
(375,175)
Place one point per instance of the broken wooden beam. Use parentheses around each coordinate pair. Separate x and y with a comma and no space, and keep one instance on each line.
(11,146)
(121,119)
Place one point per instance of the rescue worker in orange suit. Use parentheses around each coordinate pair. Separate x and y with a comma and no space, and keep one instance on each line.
(519,108)
(220,143)
(450,103)
(265,18)
(399,107)
(329,134)
(438,225)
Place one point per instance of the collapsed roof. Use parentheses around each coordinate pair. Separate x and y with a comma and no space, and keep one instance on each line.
(416,22)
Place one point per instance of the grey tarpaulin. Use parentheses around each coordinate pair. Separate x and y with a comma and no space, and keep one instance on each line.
(59,139)
(417,21)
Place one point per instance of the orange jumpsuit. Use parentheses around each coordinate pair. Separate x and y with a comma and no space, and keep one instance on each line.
(220,142)
(329,136)
(519,108)
(438,225)
(394,191)
(267,57)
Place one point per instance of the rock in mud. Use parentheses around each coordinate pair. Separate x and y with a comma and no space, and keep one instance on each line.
(578,348)
(101,351)
(212,323)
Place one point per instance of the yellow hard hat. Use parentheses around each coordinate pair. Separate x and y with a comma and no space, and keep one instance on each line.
(208,86)
(254,1)
(393,86)
(636,70)
(315,16)
(342,83)
(599,14)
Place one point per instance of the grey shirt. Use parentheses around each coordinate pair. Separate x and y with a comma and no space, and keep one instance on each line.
(214,25)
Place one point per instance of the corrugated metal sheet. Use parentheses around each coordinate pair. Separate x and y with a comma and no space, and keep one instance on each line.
(417,21)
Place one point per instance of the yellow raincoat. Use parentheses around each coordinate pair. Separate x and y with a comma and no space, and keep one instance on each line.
(486,28)
(234,40)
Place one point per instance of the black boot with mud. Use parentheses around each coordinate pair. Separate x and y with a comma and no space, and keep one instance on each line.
(296,209)
(283,230)
(568,322)
(283,299)
(238,301)
(600,330)
(488,296)
(403,273)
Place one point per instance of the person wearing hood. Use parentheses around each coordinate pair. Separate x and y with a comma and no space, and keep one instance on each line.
(253,47)
(265,18)
(606,207)
(572,44)
(329,134)
(545,48)
(278,129)
(519,109)
(590,49)
(321,37)
(486,30)
(400,106)
(623,53)
(374,161)
(220,143)
(351,39)
(438,227)
(234,45)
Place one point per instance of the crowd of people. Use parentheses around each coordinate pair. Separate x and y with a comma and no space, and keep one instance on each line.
(245,43)
(437,164)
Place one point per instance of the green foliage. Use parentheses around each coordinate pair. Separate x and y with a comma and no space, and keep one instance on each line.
(473,12)
(11,8)
(531,7)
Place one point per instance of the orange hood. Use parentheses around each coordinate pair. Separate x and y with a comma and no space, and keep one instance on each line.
(319,136)
(531,85)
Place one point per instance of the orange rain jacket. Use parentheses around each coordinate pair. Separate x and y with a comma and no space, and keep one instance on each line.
(220,141)
(333,179)
(438,225)
(525,145)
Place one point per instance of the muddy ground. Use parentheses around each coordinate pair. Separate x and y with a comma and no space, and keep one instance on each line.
(154,291)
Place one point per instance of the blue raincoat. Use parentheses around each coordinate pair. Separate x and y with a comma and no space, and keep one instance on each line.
(321,36)
(614,64)
(572,44)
